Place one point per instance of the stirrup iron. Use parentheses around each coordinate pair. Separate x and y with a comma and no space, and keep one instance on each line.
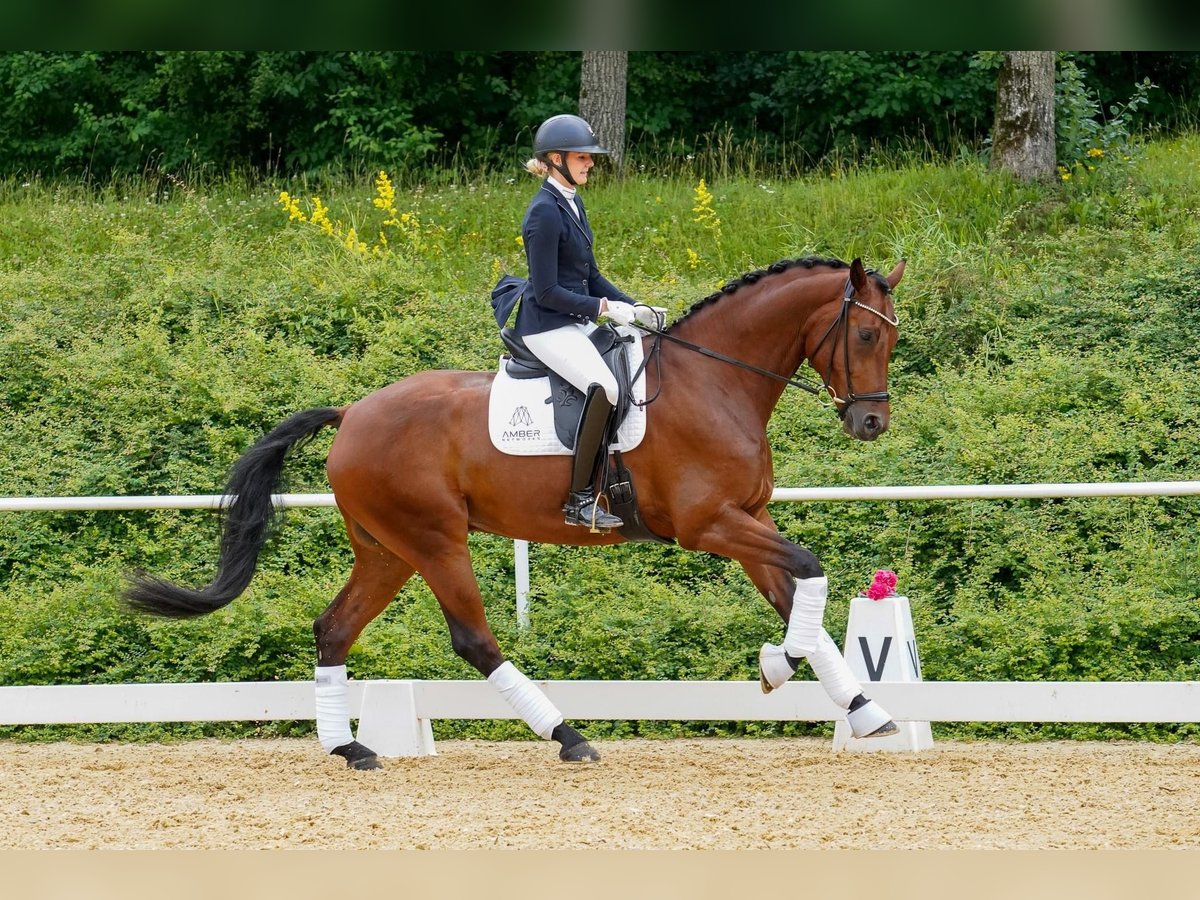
(582,508)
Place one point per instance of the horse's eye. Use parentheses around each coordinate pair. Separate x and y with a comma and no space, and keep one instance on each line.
(866,335)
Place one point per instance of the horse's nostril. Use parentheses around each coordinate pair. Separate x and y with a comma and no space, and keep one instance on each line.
(873,423)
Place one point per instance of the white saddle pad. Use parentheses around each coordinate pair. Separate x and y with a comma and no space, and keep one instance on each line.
(521,421)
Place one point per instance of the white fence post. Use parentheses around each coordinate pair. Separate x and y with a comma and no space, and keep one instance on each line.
(388,723)
(521,564)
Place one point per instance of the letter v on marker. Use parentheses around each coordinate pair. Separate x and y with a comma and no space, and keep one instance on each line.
(916,660)
(874,671)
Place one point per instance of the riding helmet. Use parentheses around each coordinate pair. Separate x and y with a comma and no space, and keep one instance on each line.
(565,133)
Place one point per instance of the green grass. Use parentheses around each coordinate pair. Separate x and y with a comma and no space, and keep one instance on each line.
(153,328)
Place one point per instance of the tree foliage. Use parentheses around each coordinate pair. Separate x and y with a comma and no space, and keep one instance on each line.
(122,112)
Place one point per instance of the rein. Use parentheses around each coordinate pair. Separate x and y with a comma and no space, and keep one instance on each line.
(712,354)
(841,322)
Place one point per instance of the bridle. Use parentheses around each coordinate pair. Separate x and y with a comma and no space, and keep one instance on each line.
(840,324)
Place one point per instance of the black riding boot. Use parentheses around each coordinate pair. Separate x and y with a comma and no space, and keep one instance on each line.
(581,507)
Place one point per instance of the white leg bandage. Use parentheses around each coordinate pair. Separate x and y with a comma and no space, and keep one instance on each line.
(833,673)
(526,700)
(808,613)
(333,707)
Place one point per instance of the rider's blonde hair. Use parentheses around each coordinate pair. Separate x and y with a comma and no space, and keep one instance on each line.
(535,166)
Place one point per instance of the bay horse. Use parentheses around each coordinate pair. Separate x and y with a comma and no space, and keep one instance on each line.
(413,472)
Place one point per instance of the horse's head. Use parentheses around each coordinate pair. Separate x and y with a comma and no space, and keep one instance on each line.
(849,342)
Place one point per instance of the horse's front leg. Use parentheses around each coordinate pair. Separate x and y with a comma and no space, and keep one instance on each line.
(777,663)
(793,582)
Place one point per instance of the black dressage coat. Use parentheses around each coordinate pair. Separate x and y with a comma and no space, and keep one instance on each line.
(564,284)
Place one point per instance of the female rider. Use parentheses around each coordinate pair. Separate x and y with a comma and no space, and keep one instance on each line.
(568,294)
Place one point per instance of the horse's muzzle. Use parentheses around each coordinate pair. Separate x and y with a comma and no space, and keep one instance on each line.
(866,421)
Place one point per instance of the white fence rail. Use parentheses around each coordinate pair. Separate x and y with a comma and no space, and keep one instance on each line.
(825,494)
(521,548)
(394,717)
(403,709)
(715,701)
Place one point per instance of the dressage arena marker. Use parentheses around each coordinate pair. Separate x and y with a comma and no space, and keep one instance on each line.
(881,645)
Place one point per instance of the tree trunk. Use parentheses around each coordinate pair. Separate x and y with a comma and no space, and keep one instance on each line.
(602,98)
(1023,133)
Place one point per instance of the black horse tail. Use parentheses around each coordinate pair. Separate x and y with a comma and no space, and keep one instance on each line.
(248,515)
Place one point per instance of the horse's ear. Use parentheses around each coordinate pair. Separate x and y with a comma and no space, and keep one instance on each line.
(858,275)
(896,274)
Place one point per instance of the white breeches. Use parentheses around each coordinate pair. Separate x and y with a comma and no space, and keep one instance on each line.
(568,352)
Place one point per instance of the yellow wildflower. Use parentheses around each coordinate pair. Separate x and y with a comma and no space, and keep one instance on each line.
(693,258)
(1095,153)
(385,194)
(412,233)
(353,243)
(520,242)
(705,214)
(320,216)
(291,207)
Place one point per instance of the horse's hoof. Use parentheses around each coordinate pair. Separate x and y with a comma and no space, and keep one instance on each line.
(583,752)
(774,668)
(358,756)
(870,720)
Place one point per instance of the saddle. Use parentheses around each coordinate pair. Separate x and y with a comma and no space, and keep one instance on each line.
(565,397)
(521,364)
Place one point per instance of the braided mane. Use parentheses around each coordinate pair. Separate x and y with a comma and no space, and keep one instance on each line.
(807,262)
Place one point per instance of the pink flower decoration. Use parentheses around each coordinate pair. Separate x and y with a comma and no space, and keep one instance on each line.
(884,585)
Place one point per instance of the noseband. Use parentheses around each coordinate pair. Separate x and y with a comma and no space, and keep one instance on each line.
(841,324)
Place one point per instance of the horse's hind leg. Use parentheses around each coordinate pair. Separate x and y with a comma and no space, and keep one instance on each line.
(377,577)
(445,564)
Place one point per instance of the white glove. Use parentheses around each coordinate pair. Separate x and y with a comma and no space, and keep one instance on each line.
(650,316)
(620,312)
